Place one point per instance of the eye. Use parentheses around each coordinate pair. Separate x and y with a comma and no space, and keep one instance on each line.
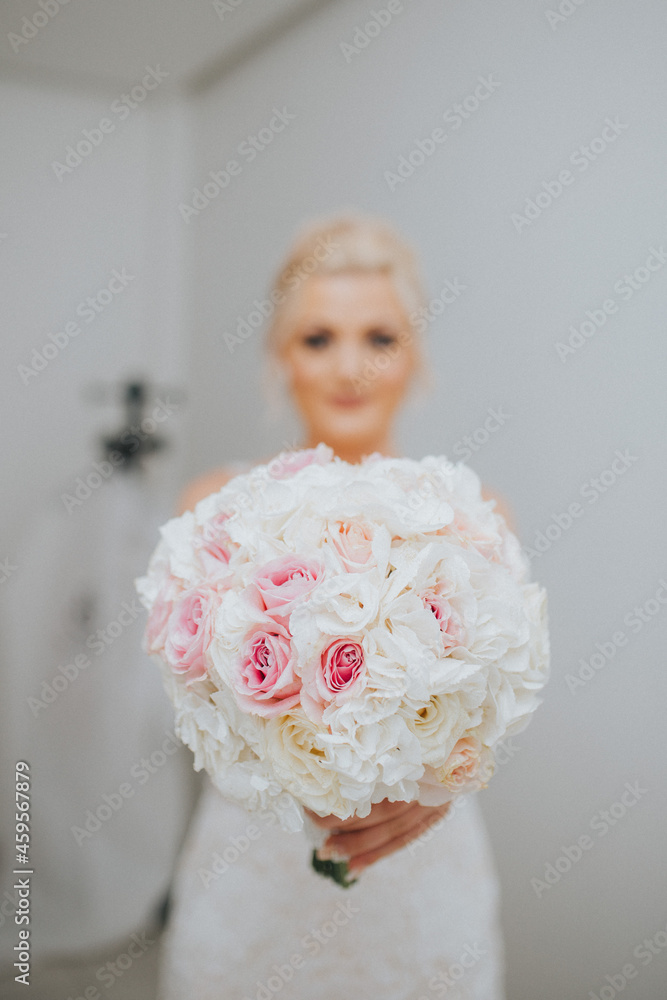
(317,339)
(379,337)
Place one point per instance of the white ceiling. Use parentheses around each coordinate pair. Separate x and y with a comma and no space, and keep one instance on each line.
(110,42)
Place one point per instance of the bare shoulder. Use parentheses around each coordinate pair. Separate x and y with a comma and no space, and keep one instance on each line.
(202,486)
(209,482)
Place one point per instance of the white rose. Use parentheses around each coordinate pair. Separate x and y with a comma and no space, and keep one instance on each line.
(443,721)
(538,670)
(295,748)
(177,534)
(385,750)
(251,782)
(469,766)
(342,605)
(204,727)
(236,615)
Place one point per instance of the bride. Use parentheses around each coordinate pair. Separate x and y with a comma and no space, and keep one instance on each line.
(250,917)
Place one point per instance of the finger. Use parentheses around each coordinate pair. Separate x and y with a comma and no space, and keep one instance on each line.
(380,813)
(368,857)
(353,842)
(326,822)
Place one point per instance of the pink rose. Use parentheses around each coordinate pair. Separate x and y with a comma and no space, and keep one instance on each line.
(463,764)
(289,462)
(264,678)
(158,616)
(331,677)
(214,546)
(451,627)
(189,632)
(280,585)
(352,541)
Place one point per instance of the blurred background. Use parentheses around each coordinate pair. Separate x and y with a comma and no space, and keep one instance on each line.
(522,149)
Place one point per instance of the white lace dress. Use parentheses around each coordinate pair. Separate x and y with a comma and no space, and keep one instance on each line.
(251,920)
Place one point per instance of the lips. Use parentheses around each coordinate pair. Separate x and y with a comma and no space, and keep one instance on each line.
(348,401)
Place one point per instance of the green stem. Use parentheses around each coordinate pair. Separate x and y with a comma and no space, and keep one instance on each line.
(337,870)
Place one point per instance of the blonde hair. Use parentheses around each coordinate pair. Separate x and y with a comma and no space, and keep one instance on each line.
(347,241)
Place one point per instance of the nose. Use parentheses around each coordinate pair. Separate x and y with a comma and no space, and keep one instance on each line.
(348,361)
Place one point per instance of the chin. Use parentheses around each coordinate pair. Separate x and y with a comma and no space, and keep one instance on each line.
(358,431)
(355,423)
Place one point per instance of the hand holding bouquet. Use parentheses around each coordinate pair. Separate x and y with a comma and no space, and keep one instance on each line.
(345,633)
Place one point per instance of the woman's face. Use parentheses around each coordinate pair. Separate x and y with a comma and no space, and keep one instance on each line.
(349,357)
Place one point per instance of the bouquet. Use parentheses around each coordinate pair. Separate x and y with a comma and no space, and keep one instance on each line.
(345,633)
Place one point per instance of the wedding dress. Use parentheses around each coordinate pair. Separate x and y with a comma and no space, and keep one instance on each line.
(251,920)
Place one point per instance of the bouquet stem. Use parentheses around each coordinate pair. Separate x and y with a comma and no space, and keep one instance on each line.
(337,870)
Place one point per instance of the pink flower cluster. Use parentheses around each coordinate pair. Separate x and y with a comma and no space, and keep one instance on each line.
(180,622)
(181,627)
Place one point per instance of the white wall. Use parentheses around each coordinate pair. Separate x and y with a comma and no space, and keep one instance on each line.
(494,347)
(63,240)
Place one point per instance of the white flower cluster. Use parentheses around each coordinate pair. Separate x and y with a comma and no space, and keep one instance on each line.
(346,633)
